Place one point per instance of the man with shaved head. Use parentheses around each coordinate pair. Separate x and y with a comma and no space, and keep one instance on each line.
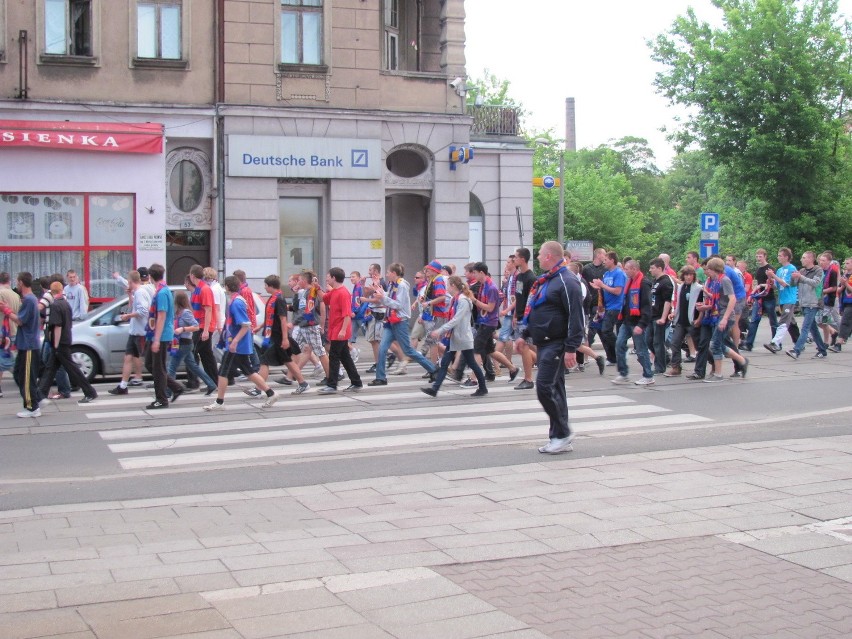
(553,322)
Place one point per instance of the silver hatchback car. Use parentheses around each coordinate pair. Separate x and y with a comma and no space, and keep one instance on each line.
(99,339)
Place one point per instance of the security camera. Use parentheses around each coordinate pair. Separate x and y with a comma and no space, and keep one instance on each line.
(457,83)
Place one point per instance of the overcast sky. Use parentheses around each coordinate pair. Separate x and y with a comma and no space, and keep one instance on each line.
(595,52)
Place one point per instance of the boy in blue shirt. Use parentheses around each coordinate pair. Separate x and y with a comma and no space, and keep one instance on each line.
(238,337)
(611,286)
(788,294)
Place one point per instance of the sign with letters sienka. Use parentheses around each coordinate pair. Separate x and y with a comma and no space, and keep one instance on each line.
(298,157)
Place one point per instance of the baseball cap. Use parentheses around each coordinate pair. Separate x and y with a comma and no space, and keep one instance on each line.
(143,272)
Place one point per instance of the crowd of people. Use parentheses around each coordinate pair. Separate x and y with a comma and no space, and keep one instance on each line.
(459,326)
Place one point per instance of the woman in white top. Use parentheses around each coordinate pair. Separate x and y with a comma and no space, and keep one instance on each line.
(460,337)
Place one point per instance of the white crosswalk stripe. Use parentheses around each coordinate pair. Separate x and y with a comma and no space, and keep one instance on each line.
(379,418)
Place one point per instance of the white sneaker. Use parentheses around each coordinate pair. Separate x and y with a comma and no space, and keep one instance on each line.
(557,446)
(644,381)
(214,406)
(270,401)
(401,370)
(304,386)
(30,413)
(318,372)
(621,379)
(327,390)
(356,354)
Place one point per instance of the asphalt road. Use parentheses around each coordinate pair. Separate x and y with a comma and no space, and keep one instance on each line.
(114,450)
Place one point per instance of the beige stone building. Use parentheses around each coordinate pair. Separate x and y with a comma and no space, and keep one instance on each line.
(267,135)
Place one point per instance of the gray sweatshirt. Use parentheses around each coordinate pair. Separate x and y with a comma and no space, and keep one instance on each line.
(811,278)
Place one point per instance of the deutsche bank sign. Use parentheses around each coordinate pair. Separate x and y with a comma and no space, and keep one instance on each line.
(297,157)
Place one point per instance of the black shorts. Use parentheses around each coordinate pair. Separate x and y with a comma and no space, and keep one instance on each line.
(274,355)
(233,361)
(483,341)
(135,346)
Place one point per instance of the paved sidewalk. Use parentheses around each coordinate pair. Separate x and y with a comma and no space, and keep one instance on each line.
(751,540)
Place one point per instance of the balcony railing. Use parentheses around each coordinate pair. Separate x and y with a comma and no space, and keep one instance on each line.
(495,120)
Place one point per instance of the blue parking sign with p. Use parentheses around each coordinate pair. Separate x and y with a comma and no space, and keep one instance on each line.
(710,222)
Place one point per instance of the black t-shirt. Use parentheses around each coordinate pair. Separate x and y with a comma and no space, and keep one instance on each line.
(60,315)
(760,274)
(829,298)
(683,304)
(662,291)
(592,272)
(279,311)
(523,285)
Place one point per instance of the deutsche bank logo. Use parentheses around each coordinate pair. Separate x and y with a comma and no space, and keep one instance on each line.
(360,158)
(710,222)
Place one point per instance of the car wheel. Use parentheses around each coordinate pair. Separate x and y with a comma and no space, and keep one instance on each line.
(86,361)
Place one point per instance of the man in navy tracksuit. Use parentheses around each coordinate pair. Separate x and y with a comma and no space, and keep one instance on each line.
(553,322)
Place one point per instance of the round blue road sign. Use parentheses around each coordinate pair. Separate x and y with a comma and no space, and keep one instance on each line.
(548,182)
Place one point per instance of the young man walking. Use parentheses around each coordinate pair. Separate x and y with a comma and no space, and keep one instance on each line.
(635,317)
(25,371)
(159,336)
(763,301)
(339,302)
(612,285)
(240,346)
(524,283)
(662,291)
(809,278)
(788,295)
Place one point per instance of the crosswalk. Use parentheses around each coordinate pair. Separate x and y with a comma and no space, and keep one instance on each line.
(398,416)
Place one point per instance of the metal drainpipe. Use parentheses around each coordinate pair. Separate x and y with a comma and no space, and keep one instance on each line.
(219,130)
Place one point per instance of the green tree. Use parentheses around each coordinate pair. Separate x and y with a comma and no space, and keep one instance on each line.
(766,94)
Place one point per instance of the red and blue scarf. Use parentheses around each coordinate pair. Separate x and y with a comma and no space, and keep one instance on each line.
(270,317)
(538,292)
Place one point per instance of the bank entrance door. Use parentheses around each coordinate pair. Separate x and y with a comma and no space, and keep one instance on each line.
(407,232)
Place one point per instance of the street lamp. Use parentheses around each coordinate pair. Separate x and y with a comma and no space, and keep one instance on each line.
(560,219)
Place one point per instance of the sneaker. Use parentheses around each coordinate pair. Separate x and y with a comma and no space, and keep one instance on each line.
(322,382)
(632,351)
(30,413)
(772,347)
(402,370)
(428,375)
(457,375)
(252,392)
(792,353)
(317,371)
(241,378)
(695,377)
(270,401)
(746,347)
(284,381)
(353,388)
(378,382)
(819,356)
(600,360)
(211,391)
(645,381)
(356,354)
(744,368)
(479,392)
(429,391)
(327,390)
(513,374)
(135,382)
(574,369)
(301,389)
(689,359)
(156,406)
(118,390)
(735,375)
(214,406)
(609,363)
(87,399)
(176,394)
(557,446)
(189,390)
(469,383)
(714,378)
(621,379)
(149,386)
(674,371)
(525,385)
(835,349)
(372,369)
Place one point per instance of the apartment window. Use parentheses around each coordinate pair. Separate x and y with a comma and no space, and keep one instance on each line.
(301,32)
(158,29)
(68,27)
(392,35)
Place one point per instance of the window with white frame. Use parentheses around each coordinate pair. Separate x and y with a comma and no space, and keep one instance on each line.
(302,32)
(391,52)
(68,27)
(158,29)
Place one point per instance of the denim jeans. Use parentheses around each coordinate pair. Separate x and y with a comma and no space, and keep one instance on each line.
(809,325)
(185,355)
(717,342)
(764,307)
(398,333)
(641,345)
(656,339)
(63,384)
(607,334)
